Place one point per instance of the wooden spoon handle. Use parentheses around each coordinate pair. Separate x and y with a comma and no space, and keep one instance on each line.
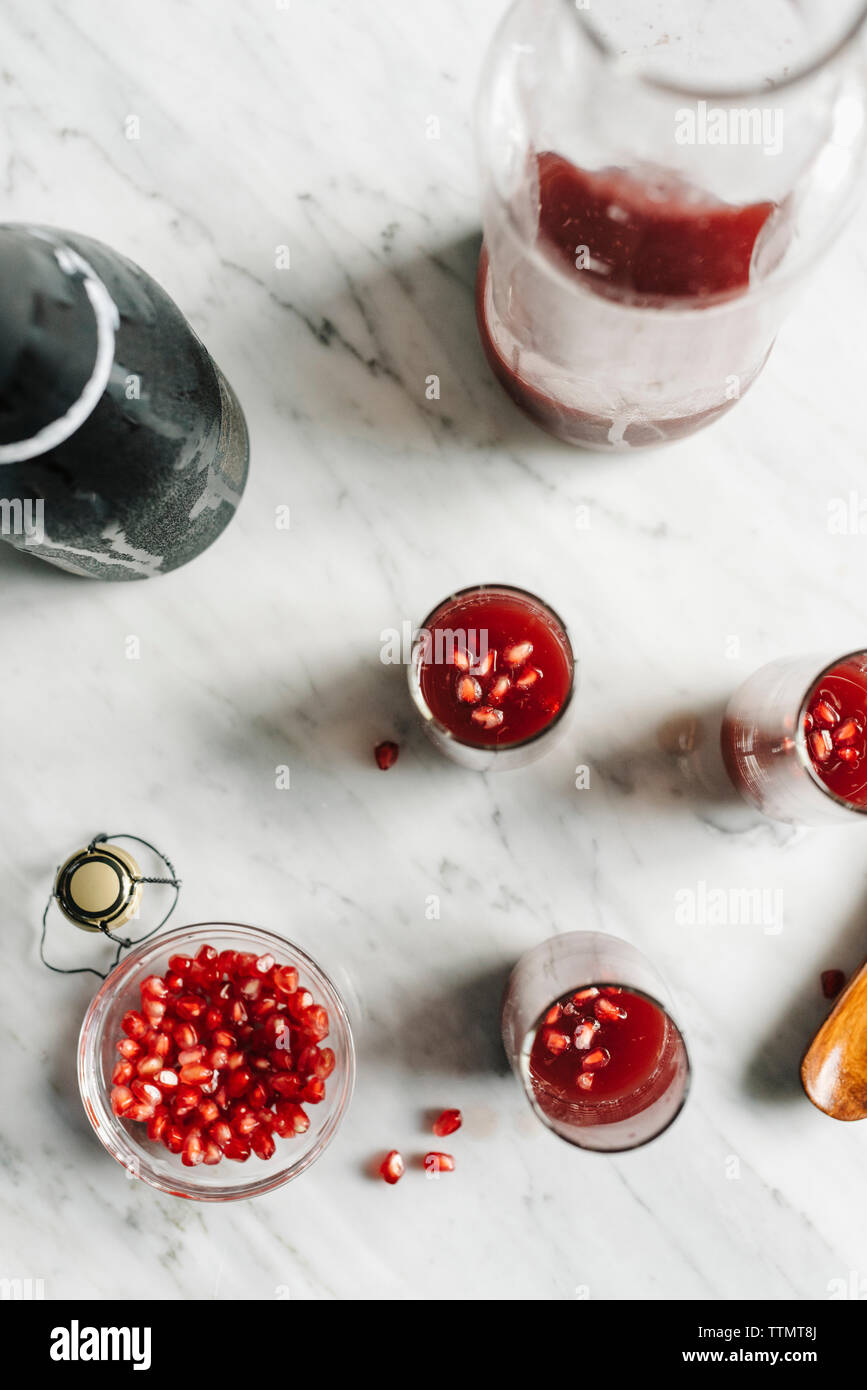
(834,1069)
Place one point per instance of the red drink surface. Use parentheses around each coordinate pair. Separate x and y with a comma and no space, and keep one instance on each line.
(498,670)
(656,239)
(835,726)
(604,1058)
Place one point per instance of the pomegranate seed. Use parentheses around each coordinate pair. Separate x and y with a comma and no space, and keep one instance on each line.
(157,1124)
(386,754)
(584,1033)
(299,1003)
(808,723)
(392,1167)
(600,1057)
(212,1152)
(193,1152)
(461,659)
(190,1006)
(447,1123)
(584,994)
(439,1163)
(206,955)
(315,1022)
(192,1054)
(325,1063)
(134,1025)
(162,1045)
(149,1066)
(244,1124)
(237,1149)
(553,1013)
(209,1111)
(221,1133)
(468,690)
(484,665)
(289,1086)
(195,1074)
(154,988)
(186,1099)
(147,1093)
(129,1049)
(238,1082)
(314,1091)
(585,1080)
(185,1035)
(292,1115)
(608,1012)
(850,757)
(832,982)
(123,1072)
(825,713)
(179,965)
(141,1111)
(820,745)
(555,1041)
(262,1144)
(173,1137)
(167,1079)
(517,653)
(121,1099)
(218,1058)
(528,678)
(500,688)
(265,964)
(174,983)
(846,732)
(285,977)
(154,1011)
(487,717)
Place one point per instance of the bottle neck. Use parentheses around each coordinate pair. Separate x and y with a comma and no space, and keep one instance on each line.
(58,323)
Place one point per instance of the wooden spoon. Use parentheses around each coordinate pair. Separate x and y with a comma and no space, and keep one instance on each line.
(834,1069)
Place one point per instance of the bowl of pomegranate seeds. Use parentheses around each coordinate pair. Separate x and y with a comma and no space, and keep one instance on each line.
(216,1062)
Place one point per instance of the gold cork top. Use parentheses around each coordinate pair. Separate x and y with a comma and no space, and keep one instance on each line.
(99,887)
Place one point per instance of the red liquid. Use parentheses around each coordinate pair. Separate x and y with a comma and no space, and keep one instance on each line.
(498,668)
(646,245)
(836,728)
(584,1055)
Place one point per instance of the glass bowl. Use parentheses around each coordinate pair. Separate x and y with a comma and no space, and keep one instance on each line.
(127,1140)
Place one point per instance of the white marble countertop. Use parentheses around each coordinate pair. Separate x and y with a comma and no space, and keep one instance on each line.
(305,125)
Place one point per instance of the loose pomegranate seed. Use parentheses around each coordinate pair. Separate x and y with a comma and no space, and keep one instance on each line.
(173,1137)
(292,1117)
(553,1013)
(221,1133)
(599,1057)
(461,659)
(584,1033)
(585,1081)
(140,1111)
(193,1152)
(192,1054)
(608,1012)
(212,1152)
(195,1074)
(123,1072)
(149,1066)
(528,678)
(238,1081)
(179,965)
(262,1144)
(501,687)
(392,1167)
(832,982)
(849,756)
(154,1011)
(487,717)
(555,1041)
(517,653)
(447,1123)
(315,1022)
(157,1124)
(209,1111)
(439,1163)
(468,690)
(167,1079)
(128,1048)
(185,1035)
(314,1091)
(190,1006)
(386,754)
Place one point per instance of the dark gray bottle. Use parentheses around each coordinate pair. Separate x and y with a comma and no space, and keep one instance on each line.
(123,450)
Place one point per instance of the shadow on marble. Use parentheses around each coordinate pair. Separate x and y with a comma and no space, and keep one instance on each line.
(773,1073)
